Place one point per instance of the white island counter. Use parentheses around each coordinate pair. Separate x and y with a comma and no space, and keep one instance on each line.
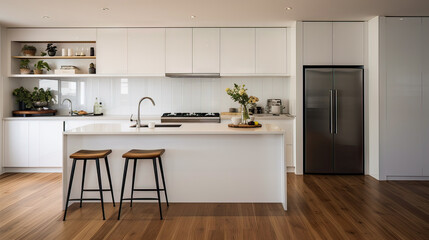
(203,162)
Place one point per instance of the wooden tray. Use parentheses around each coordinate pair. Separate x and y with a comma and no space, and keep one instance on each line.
(244,126)
(30,113)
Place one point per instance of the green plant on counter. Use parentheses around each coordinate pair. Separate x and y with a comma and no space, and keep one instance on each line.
(40,65)
(24,64)
(42,95)
(24,96)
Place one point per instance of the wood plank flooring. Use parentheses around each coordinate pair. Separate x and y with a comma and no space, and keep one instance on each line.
(320,207)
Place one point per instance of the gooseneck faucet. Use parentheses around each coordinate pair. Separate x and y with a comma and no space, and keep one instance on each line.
(138,110)
(71,105)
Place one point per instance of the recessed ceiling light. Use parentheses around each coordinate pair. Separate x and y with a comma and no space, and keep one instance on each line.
(105,9)
(193,16)
(288,8)
(46,17)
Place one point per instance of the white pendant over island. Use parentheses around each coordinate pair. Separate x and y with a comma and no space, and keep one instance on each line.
(202,163)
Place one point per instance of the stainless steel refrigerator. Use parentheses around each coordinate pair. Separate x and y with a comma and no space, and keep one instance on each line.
(333,120)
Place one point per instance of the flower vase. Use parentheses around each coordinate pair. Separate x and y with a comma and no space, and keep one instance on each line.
(244,114)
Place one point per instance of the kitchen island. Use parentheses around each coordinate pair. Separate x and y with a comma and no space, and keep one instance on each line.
(202,163)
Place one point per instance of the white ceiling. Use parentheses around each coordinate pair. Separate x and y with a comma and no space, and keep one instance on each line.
(210,13)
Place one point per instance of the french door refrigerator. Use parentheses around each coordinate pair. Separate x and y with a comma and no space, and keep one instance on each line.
(333,120)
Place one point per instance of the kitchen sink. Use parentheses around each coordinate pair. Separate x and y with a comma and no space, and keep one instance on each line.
(159,125)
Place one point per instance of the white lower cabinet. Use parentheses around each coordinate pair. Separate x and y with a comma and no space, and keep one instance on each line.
(33,143)
(16,143)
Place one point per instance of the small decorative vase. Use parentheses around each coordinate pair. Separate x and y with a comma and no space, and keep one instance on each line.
(244,114)
(52,53)
(39,105)
(37,71)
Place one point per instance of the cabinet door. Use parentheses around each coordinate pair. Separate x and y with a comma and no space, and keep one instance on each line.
(146,51)
(205,52)
(404,144)
(178,50)
(317,43)
(33,144)
(237,50)
(111,51)
(50,143)
(425,90)
(271,50)
(15,144)
(348,43)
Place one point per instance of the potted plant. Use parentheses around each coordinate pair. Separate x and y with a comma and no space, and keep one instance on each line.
(51,49)
(23,98)
(40,65)
(41,98)
(29,50)
(23,66)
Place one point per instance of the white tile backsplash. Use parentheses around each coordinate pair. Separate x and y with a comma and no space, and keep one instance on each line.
(120,96)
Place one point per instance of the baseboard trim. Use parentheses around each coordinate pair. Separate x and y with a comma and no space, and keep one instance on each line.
(290,169)
(407,178)
(32,170)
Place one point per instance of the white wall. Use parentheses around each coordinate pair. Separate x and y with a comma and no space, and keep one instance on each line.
(299,120)
(120,96)
(373,97)
(1,98)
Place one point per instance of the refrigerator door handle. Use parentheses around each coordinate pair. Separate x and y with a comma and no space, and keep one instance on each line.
(331,111)
(336,111)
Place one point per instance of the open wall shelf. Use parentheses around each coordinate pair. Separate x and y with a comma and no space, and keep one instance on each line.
(54,57)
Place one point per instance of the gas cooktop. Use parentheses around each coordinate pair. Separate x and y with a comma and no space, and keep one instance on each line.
(191,117)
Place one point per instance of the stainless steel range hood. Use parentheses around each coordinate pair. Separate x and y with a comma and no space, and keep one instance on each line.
(193,75)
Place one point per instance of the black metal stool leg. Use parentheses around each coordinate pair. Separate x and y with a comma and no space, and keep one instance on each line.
(83,182)
(110,179)
(100,186)
(155,171)
(132,185)
(123,186)
(163,180)
(70,187)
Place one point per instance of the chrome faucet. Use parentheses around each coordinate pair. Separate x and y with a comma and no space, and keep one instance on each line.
(71,105)
(138,110)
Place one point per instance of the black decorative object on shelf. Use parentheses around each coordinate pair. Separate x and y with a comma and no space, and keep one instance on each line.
(91,69)
(51,49)
(92,51)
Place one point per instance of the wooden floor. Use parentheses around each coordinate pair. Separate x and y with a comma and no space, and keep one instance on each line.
(320,207)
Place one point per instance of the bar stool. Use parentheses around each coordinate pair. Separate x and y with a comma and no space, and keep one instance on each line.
(85,155)
(141,155)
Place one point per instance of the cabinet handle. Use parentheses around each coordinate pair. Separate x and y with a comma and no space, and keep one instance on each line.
(331,111)
(336,111)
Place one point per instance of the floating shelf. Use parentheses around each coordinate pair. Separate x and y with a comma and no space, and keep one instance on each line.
(54,57)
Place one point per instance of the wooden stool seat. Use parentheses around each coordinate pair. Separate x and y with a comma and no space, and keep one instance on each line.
(90,154)
(143,154)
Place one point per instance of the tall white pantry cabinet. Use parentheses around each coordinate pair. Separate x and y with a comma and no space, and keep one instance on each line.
(404,98)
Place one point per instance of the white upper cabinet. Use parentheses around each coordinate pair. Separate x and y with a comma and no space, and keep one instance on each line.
(178,50)
(112,51)
(348,43)
(206,43)
(333,43)
(146,51)
(317,43)
(237,50)
(271,50)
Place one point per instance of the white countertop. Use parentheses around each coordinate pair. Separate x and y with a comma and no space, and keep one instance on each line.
(185,129)
(143,117)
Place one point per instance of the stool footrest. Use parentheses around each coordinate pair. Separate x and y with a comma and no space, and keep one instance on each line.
(147,189)
(96,190)
(85,199)
(140,199)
